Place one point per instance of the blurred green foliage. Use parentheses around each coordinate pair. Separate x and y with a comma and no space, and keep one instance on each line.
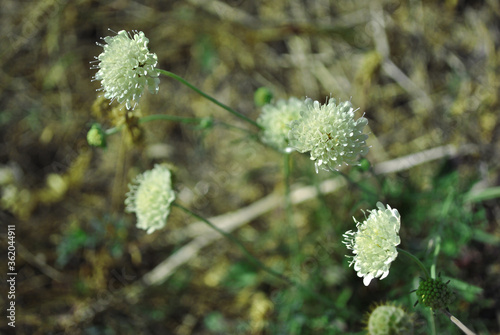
(107,231)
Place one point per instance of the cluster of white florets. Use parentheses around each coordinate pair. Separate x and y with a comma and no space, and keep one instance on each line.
(330,133)
(374,243)
(275,120)
(126,67)
(150,198)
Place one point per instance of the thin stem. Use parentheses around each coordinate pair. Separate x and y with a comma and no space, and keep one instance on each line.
(288,203)
(253,258)
(355,184)
(237,242)
(208,97)
(114,130)
(436,254)
(432,321)
(174,118)
(427,276)
(457,323)
(154,117)
(416,260)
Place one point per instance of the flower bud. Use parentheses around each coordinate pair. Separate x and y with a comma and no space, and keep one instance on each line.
(96,137)
(435,294)
(262,96)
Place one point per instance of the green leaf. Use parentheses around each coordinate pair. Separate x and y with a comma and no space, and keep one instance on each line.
(482,195)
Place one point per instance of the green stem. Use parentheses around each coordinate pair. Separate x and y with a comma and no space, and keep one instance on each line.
(436,254)
(174,118)
(235,241)
(288,203)
(290,229)
(432,321)
(156,117)
(208,97)
(355,184)
(253,258)
(416,260)
(113,130)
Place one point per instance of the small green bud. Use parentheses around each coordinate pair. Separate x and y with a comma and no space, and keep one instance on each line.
(206,123)
(262,96)
(96,137)
(364,164)
(435,294)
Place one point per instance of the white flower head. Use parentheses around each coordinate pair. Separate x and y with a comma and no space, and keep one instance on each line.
(330,133)
(150,197)
(374,244)
(276,118)
(126,67)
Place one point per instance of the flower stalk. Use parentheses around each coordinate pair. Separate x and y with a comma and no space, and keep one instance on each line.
(208,97)
(252,258)
(417,261)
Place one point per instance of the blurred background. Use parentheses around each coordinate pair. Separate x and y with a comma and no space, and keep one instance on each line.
(425,74)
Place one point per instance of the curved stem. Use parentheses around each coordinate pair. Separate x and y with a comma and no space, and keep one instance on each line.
(253,258)
(208,97)
(416,260)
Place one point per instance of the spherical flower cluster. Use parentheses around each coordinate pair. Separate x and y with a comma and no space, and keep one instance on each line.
(389,319)
(435,294)
(150,197)
(276,118)
(126,67)
(330,133)
(374,244)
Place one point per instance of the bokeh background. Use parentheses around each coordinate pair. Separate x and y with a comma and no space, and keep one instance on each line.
(425,74)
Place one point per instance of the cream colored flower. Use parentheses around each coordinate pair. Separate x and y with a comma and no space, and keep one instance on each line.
(374,244)
(150,198)
(126,67)
(276,118)
(330,133)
